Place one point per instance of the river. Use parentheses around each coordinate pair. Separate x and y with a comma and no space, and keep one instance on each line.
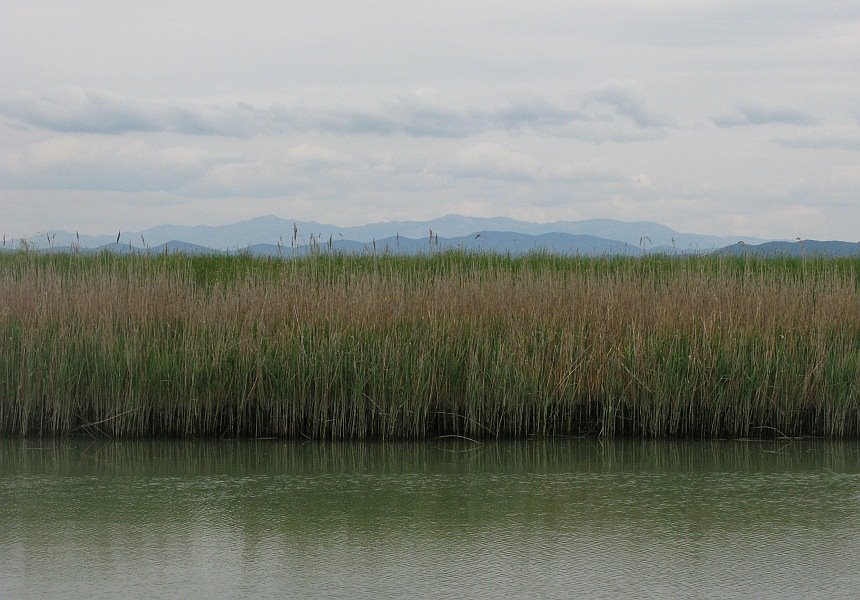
(562,518)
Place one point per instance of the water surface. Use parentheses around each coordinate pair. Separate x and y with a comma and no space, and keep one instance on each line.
(559,518)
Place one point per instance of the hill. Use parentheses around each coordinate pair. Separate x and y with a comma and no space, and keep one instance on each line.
(800,248)
(276,231)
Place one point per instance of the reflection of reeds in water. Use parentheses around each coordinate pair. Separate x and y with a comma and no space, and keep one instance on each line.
(392,347)
(301,494)
(190,458)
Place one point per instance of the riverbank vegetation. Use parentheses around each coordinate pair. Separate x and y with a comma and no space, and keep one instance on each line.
(452,344)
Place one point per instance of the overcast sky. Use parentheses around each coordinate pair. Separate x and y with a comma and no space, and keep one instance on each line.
(738,117)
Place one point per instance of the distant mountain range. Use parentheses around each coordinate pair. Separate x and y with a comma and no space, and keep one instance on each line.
(274,230)
(799,248)
(274,236)
(502,242)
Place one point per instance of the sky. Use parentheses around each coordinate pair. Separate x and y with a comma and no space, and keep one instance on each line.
(719,117)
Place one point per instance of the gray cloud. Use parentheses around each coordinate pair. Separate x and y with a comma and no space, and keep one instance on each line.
(106,163)
(726,24)
(228,167)
(122,163)
(497,162)
(759,114)
(626,100)
(613,112)
(74,110)
(823,142)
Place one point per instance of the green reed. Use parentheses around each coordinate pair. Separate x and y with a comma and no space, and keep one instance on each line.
(338,347)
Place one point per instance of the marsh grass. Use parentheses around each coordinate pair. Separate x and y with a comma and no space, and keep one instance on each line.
(344,347)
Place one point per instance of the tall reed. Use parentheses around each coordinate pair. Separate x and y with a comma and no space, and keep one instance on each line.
(335,347)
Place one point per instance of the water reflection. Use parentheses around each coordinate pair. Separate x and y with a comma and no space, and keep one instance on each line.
(559,518)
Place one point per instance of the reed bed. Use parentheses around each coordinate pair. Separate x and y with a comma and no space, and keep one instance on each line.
(337,347)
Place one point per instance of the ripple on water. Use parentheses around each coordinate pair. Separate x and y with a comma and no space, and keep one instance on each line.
(391,521)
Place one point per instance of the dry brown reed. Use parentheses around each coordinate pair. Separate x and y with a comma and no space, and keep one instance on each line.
(379,347)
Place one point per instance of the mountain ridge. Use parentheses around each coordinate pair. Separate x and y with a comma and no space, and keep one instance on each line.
(496,242)
(271,229)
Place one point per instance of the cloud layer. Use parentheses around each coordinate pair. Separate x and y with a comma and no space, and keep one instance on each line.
(763,114)
(616,111)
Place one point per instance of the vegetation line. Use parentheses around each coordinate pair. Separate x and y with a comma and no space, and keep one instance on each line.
(450,344)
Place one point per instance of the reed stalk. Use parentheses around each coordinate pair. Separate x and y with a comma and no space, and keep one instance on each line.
(345,347)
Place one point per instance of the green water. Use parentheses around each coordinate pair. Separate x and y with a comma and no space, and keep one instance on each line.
(569,518)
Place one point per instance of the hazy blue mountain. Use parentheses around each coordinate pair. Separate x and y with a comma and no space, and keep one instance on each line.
(171,247)
(174,246)
(486,241)
(260,230)
(341,246)
(636,233)
(556,243)
(502,242)
(275,230)
(268,229)
(803,248)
